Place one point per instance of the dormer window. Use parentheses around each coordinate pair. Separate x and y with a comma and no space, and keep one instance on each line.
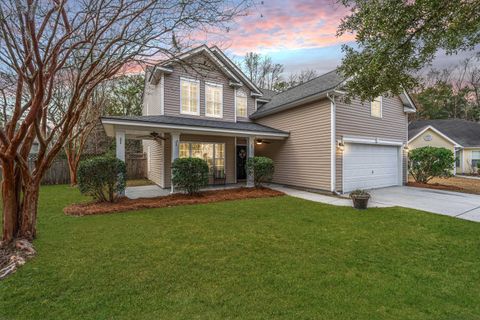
(189,96)
(213,100)
(241,104)
(376,107)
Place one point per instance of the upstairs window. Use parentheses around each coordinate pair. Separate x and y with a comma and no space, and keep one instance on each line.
(190,96)
(213,100)
(241,104)
(376,107)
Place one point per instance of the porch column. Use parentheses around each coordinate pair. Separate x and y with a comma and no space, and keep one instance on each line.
(120,147)
(120,144)
(251,154)
(175,136)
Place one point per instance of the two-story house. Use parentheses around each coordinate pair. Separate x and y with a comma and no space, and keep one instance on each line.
(200,104)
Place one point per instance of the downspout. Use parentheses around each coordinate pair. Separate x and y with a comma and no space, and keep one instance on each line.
(333,135)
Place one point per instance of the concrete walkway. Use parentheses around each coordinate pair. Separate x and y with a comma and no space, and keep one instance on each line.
(454,204)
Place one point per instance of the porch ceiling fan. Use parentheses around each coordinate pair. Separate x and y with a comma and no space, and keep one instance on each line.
(153,135)
(262,141)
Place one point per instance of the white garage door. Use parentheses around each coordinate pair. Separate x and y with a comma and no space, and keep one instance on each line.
(370,166)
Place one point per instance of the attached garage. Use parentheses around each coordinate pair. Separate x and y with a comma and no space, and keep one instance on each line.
(369,166)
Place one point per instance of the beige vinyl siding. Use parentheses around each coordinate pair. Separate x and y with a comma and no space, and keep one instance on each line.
(304,158)
(436,141)
(355,119)
(230,170)
(200,68)
(151,98)
(156,160)
(466,160)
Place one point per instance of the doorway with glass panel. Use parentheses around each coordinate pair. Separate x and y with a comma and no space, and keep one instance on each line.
(212,153)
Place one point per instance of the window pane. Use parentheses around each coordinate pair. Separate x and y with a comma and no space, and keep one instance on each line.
(197,150)
(219,150)
(185,92)
(213,97)
(207,154)
(194,97)
(476,155)
(241,106)
(184,150)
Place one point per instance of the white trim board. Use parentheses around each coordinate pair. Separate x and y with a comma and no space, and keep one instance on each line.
(368,140)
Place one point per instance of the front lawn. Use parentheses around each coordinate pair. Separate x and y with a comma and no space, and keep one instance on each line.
(274,258)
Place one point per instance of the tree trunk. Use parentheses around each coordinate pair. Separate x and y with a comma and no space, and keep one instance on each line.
(73,173)
(73,168)
(10,202)
(28,227)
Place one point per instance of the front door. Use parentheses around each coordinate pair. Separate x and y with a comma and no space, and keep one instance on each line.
(241,162)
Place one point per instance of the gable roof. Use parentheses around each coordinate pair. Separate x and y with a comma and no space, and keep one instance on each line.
(465,133)
(236,70)
(220,60)
(201,49)
(314,88)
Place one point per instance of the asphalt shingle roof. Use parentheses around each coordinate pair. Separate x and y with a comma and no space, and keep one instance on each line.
(268,94)
(181,121)
(323,83)
(466,133)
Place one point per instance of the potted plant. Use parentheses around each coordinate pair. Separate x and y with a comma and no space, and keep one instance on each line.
(360,199)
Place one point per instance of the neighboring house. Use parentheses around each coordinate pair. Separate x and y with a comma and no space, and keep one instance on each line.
(201,105)
(462,137)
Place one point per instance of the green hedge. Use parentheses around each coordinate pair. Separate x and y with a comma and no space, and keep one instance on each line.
(261,168)
(103,178)
(427,163)
(190,174)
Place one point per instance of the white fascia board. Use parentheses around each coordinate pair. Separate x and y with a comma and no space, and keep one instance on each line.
(233,66)
(458,145)
(368,140)
(410,101)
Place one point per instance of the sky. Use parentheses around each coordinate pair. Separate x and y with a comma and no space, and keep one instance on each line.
(298,34)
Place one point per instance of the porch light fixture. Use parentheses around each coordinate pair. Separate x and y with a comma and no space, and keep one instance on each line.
(340,146)
(406,148)
(259,142)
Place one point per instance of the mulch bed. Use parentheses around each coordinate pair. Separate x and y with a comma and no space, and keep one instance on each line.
(437,186)
(126,204)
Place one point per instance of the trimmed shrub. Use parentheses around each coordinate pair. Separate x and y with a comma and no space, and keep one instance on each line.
(262,169)
(190,174)
(103,178)
(429,162)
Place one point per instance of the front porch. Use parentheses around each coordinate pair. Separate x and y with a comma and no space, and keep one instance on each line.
(225,146)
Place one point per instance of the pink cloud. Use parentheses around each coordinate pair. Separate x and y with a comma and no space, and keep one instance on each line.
(287,25)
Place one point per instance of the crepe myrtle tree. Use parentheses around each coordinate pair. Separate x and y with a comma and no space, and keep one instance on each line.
(42,43)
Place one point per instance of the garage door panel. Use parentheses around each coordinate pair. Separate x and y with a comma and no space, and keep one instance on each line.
(370,166)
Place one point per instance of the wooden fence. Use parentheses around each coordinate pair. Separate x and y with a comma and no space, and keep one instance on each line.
(58,173)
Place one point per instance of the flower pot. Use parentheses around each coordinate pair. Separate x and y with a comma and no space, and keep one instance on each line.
(360,202)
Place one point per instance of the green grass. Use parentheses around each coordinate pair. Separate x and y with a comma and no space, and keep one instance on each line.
(278,258)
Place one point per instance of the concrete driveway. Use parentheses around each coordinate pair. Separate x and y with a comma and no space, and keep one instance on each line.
(455,204)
